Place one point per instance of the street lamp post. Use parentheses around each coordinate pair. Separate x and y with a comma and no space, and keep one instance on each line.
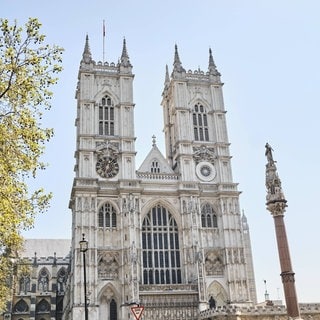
(83,248)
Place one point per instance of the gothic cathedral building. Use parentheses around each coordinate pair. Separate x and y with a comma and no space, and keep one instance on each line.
(168,235)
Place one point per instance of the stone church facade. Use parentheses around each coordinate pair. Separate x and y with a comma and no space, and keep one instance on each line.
(168,235)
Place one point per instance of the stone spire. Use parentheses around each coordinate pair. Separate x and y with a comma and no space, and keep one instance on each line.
(212,67)
(276,204)
(86,55)
(124,61)
(177,66)
(167,78)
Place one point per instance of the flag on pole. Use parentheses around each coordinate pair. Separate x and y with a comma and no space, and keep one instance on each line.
(104,29)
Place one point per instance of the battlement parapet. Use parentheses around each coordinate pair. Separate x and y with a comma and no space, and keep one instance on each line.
(306,310)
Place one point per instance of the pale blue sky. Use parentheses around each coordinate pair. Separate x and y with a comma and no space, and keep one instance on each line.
(268,54)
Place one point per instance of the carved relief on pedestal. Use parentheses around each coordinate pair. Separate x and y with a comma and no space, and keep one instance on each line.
(214,264)
(108,265)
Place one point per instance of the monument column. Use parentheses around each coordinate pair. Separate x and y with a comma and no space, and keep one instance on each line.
(276,204)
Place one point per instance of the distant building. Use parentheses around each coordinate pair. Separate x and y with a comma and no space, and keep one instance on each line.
(39,280)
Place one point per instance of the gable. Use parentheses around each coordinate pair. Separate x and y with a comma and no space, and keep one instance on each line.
(155,163)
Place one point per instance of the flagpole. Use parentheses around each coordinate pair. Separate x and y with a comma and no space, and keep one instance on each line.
(103,41)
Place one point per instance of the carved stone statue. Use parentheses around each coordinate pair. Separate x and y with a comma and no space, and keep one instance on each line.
(268,154)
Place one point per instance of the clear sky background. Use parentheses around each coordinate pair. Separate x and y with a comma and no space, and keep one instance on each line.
(268,53)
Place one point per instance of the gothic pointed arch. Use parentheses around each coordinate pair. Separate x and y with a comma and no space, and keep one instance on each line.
(106,116)
(209,218)
(24,283)
(62,276)
(43,306)
(164,203)
(21,306)
(43,280)
(200,122)
(109,302)
(107,215)
(161,262)
(217,292)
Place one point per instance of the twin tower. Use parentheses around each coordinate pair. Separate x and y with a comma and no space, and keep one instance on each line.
(168,235)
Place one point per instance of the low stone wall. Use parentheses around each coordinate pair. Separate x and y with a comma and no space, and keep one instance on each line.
(307,312)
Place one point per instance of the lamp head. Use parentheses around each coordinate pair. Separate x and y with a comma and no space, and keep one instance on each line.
(83,244)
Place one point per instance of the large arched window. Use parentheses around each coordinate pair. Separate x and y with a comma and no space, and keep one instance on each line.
(160,248)
(208,217)
(200,123)
(106,117)
(107,216)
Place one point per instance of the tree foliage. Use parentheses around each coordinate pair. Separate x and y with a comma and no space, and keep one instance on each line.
(28,69)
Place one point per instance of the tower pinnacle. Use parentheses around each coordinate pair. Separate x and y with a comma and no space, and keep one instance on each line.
(212,67)
(124,56)
(86,55)
(276,204)
(177,66)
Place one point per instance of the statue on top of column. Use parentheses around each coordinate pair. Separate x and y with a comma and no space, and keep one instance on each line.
(269,155)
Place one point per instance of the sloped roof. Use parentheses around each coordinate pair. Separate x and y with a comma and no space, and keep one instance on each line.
(153,155)
(46,247)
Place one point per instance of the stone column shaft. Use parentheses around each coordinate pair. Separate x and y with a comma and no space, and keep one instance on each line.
(287,274)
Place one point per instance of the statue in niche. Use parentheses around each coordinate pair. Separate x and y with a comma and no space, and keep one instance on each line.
(133,253)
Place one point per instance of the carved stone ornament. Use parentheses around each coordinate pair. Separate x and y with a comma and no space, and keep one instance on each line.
(213,264)
(108,266)
(204,154)
(107,148)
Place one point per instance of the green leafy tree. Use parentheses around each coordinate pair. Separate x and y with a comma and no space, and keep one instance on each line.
(28,69)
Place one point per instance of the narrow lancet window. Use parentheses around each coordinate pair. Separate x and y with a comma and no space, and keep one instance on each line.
(200,123)
(107,216)
(106,117)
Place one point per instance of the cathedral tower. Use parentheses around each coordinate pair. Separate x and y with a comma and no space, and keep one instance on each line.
(168,235)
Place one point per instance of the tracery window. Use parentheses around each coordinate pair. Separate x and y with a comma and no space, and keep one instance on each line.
(200,123)
(106,117)
(61,280)
(43,306)
(107,216)
(208,217)
(155,167)
(21,307)
(24,283)
(43,280)
(160,248)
